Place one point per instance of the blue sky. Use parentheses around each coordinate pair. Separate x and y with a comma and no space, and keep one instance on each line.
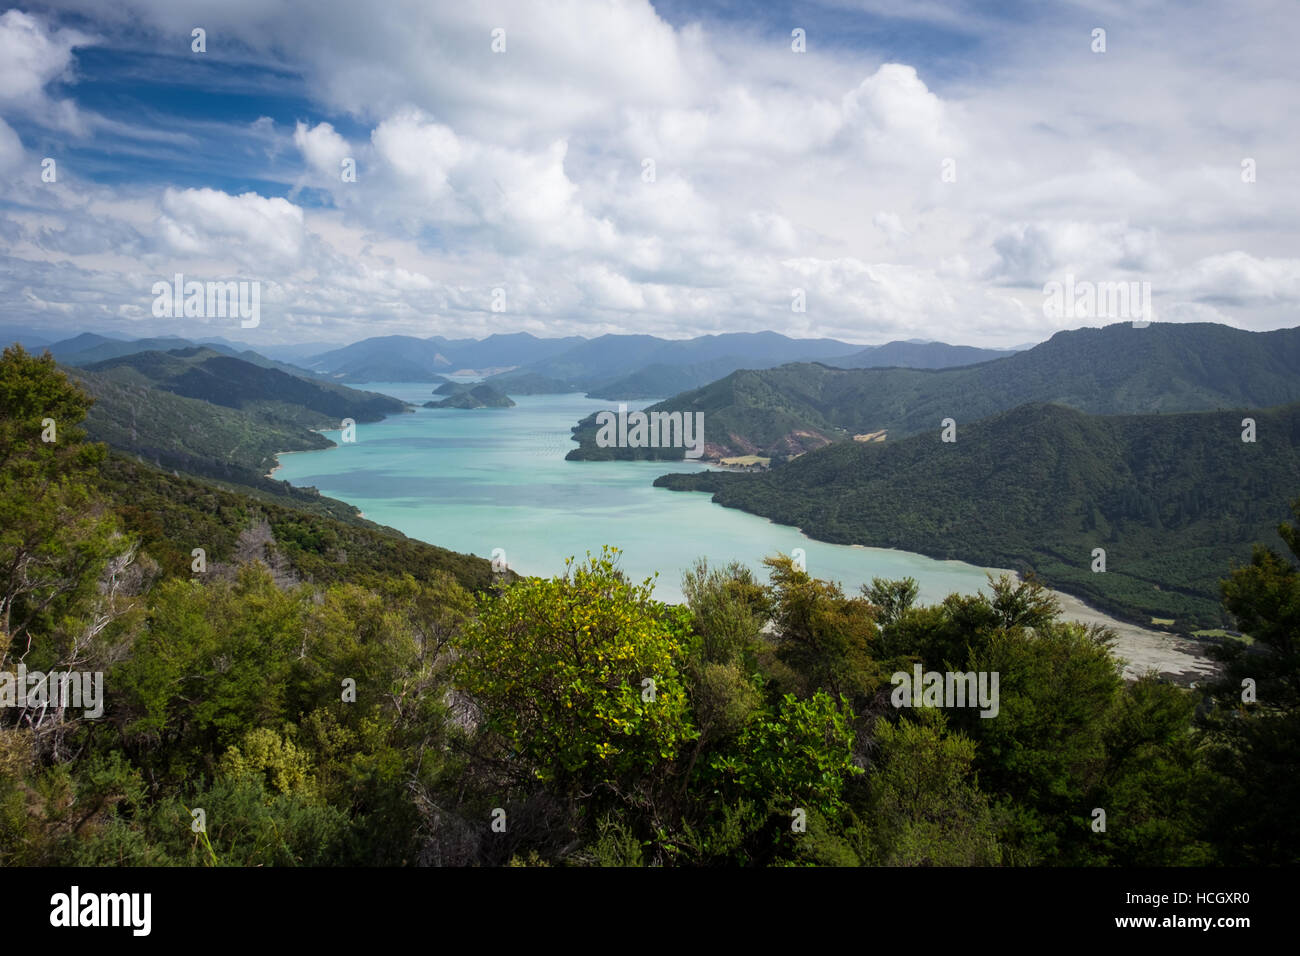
(921,171)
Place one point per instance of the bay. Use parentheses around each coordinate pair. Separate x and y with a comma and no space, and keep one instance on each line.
(478,480)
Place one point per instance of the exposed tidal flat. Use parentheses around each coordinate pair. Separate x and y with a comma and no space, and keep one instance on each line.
(475,480)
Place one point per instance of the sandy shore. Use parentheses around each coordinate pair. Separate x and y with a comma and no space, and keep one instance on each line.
(1174,657)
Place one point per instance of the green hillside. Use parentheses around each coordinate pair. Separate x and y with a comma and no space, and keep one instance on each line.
(1111,371)
(1172,499)
(333,694)
(170,515)
(187,434)
(266,393)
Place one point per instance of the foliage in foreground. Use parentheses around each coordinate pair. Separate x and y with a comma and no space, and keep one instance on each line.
(390,718)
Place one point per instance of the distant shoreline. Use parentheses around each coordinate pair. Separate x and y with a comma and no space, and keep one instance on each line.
(278,454)
(276,467)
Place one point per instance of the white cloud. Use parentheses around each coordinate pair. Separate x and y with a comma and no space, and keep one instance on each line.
(32,55)
(249,228)
(1031,253)
(322,148)
(891,224)
(1237,278)
(895,118)
(772,169)
(419,150)
(11,148)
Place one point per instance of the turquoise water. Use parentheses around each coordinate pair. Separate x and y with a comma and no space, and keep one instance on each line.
(480,479)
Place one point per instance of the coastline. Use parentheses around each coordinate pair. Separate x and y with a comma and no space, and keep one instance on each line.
(279,454)
(1175,657)
(277,466)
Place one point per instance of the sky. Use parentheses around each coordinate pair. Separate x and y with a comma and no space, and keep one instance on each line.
(866,170)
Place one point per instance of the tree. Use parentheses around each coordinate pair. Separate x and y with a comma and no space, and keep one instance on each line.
(892,598)
(66,574)
(1254,813)
(1044,754)
(55,538)
(579,676)
(821,635)
(1154,781)
(729,609)
(926,805)
(1264,597)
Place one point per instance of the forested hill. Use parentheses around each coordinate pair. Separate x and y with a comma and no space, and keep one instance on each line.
(267,392)
(333,694)
(919,355)
(1114,370)
(190,435)
(1173,499)
(240,418)
(169,515)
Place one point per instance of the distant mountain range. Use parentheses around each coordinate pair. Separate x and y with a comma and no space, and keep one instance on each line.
(920,355)
(630,367)
(1119,369)
(29,339)
(615,367)
(405,358)
(89,348)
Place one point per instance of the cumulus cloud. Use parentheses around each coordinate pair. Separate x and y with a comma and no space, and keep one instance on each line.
(1237,278)
(249,228)
(896,118)
(31,56)
(1032,253)
(322,148)
(772,170)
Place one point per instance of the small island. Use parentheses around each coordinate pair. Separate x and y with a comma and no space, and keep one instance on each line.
(470,396)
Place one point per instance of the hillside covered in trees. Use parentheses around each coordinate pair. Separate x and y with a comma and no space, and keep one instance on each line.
(1116,370)
(1173,500)
(321,695)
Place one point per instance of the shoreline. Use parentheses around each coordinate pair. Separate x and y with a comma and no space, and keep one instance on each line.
(1176,657)
(1179,658)
(276,467)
